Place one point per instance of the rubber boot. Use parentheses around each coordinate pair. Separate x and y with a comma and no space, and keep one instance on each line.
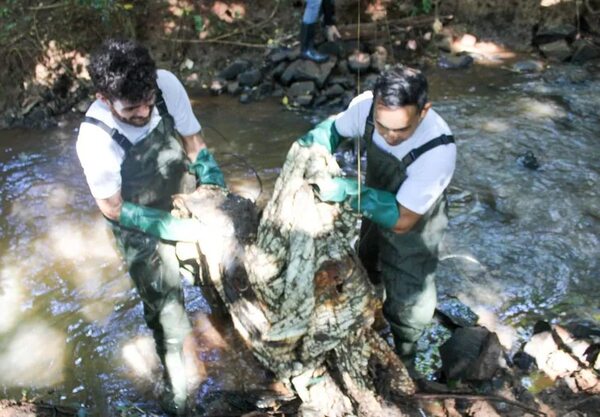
(174,399)
(408,353)
(307,44)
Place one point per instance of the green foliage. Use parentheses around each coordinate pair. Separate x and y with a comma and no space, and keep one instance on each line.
(423,7)
(198,23)
(7,21)
(426,5)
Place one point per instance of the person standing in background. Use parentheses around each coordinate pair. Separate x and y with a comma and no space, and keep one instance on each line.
(312,11)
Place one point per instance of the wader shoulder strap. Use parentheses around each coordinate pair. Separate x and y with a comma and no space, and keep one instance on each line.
(369,126)
(117,136)
(160,103)
(415,153)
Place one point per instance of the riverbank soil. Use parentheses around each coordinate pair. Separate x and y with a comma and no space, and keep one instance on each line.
(44,45)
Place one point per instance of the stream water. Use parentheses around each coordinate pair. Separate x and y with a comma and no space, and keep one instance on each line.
(522,243)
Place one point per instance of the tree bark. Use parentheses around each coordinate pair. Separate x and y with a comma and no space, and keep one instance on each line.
(295,290)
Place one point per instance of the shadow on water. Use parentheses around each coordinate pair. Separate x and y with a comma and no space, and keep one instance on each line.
(522,243)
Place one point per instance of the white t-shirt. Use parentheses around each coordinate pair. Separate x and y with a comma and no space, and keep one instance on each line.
(429,175)
(101,157)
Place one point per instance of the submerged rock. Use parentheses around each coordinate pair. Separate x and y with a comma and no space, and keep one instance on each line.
(471,354)
(359,62)
(584,51)
(528,66)
(234,69)
(453,313)
(529,160)
(447,61)
(556,51)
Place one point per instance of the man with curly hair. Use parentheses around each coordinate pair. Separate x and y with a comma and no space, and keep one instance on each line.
(139,144)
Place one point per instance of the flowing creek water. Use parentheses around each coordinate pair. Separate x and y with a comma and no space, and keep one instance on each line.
(522,244)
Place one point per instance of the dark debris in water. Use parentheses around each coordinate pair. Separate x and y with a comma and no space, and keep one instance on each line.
(529,160)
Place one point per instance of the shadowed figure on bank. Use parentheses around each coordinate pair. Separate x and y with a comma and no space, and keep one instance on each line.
(139,144)
(312,11)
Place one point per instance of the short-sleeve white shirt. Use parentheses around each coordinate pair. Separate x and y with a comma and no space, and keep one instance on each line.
(429,175)
(101,157)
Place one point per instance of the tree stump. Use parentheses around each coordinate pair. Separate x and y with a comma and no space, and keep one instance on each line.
(295,290)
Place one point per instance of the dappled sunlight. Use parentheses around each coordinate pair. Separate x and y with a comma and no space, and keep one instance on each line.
(478,286)
(57,62)
(506,334)
(179,8)
(228,12)
(247,188)
(98,311)
(537,109)
(89,262)
(140,357)
(221,354)
(207,333)
(550,3)
(205,16)
(80,242)
(485,292)
(33,356)
(377,9)
(169,27)
(486,53)
(84,255)
(195,368)
(495,126)
(60,197)
(143,365)
(12,295)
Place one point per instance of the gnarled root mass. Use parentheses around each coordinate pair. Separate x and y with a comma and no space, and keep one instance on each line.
(295,290)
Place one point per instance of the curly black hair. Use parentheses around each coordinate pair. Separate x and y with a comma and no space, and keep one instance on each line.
(123,70)
(401,86)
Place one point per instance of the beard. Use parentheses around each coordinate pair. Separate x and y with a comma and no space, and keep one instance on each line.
(134,120)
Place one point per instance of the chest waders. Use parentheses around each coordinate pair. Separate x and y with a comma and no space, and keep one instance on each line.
(405,263)
(153,170)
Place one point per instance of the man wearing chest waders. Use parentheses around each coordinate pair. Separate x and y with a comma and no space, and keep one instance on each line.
(410,161)
(136,146)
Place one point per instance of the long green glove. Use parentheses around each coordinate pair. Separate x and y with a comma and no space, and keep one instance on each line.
(379,206)
(324,134)
(159,223)
(206,169)
(336,189)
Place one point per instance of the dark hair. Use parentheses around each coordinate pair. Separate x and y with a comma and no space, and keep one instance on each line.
(401,86)
(123,69)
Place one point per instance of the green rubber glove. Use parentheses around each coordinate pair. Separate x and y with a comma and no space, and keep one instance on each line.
(159,223)
(206,169)
(324,134)
(379,206)
(336,189)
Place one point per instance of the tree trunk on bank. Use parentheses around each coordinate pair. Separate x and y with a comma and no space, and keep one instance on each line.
(295,290)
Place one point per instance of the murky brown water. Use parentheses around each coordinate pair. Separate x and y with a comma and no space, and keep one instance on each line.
(522,244)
